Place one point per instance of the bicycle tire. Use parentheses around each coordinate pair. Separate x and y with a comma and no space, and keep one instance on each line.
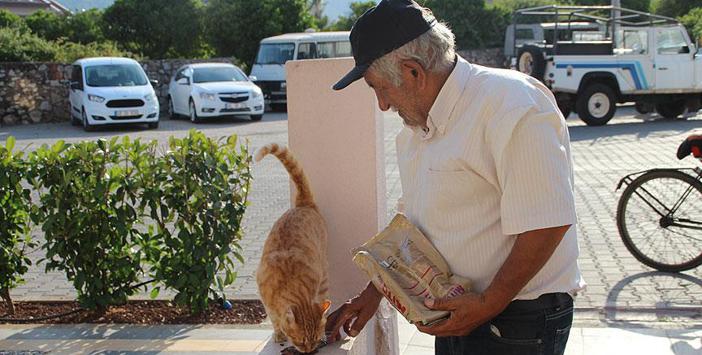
(633,243)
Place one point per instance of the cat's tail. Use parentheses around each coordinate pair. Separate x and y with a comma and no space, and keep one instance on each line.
(304,196)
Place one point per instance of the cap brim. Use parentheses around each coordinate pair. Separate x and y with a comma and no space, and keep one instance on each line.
(355,74)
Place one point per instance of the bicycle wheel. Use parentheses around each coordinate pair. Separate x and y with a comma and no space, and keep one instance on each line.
(659,217)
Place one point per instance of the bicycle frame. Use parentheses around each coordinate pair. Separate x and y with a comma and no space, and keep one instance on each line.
(661,209)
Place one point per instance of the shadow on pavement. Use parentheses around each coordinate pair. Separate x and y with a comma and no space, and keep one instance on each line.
(91,339)
(642,129)
(64,130)
(655,296)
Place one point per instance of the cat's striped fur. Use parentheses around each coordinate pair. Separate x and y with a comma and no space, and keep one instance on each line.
(292,275)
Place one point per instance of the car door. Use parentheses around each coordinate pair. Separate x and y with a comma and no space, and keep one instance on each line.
(182,91)
(634,59)
(673,60)
(75,90)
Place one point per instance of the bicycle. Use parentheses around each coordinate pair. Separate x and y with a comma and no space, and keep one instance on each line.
(659,215)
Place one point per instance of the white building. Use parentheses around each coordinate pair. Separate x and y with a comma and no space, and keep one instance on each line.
(28,7)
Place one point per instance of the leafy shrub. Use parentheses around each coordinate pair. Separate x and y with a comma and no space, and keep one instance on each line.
(47,25)
(68,52)
(88,193)
(14,222)
(10,20)
(196,196)
(23,46)
(693,24)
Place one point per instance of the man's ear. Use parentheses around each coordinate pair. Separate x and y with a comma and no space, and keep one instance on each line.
(414,72)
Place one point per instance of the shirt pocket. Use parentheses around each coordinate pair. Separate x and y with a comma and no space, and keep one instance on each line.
(452,198)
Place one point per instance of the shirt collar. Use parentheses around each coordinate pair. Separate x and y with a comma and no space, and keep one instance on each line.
(440,112)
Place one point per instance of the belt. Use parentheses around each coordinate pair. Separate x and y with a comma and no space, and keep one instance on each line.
(545,301)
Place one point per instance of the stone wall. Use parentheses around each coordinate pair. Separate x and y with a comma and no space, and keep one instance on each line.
(38,92)
(490,57)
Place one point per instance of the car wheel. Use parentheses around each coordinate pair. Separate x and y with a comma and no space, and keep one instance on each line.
(531,61)
(256,117)
(643,107)
(86,125)
(171,111)
(153,125)
(193,113)
(596,104)
(671,110)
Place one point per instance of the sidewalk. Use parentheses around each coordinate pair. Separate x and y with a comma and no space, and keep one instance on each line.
(585,338)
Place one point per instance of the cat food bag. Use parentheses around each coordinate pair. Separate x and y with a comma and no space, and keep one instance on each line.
(404,265)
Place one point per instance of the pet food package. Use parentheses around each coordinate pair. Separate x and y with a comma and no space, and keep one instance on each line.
(404,265)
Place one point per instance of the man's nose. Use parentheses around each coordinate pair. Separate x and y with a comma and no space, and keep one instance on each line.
(382,104)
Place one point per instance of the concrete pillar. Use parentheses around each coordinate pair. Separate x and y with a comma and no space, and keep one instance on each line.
(338,139)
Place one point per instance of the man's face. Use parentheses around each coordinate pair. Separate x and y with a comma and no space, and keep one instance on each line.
(402,99)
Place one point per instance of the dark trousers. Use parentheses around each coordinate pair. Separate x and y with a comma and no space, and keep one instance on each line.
(539,326)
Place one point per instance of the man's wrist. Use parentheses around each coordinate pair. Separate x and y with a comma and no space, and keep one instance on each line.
(372,292)
(495,299)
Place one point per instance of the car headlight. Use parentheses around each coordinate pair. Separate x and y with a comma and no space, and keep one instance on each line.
(256,93)
(207,96)
(95,98)
(150,98)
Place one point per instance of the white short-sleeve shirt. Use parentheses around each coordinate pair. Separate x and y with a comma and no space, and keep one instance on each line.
(494,163)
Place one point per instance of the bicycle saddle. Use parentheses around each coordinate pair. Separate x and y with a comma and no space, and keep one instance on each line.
(693,144)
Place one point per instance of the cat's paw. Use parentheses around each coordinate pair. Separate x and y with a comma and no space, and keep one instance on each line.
(279,337)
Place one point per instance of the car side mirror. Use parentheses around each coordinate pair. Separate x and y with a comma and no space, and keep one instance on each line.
(153,82)
(76,86)
(184,81)
(252,78)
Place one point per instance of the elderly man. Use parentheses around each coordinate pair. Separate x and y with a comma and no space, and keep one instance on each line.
(486,174)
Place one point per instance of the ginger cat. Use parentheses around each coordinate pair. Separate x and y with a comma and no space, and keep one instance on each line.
(292,276)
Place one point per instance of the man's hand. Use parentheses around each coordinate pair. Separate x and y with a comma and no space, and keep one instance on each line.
(467,313)
(357,310)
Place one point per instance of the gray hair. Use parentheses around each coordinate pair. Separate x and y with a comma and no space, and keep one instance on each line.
(435,50)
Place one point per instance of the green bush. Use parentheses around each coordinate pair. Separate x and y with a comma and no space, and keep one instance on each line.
(14,222)
(88,195)
(47,25)
(68,52)
(196,196)
(693,24)
(21,46)
(10,20)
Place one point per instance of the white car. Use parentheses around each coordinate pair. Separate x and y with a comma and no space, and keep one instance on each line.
(212,90)
(107,91)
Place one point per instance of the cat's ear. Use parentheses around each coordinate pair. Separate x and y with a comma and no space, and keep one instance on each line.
(290,315)
(325,305)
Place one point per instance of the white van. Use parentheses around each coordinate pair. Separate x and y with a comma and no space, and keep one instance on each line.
(107,91)
(269,66)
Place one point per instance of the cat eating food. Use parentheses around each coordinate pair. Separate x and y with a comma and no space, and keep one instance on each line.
(292,276)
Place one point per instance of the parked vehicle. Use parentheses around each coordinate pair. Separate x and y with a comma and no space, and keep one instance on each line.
(269,67)
(108,90)
(213,90)
(640,57)
(542,34)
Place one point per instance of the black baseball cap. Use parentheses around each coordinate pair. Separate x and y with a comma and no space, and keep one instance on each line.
(381,30)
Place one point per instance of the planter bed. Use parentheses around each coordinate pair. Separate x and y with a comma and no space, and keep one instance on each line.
(135,312)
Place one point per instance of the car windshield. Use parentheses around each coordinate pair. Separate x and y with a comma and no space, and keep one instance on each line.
(213,74)
(115,75)
(275,53)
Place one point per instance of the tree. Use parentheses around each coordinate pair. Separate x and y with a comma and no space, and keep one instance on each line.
(474,25)
(47,25)
(236,27)
(673,8)
(358,8)
(85,27)
(157,28)
(693,23)
(8,19)
(23,46)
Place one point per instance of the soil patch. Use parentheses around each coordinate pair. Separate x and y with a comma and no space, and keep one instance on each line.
(134,312)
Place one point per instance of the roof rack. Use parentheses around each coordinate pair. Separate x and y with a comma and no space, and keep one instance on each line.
(567,14)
